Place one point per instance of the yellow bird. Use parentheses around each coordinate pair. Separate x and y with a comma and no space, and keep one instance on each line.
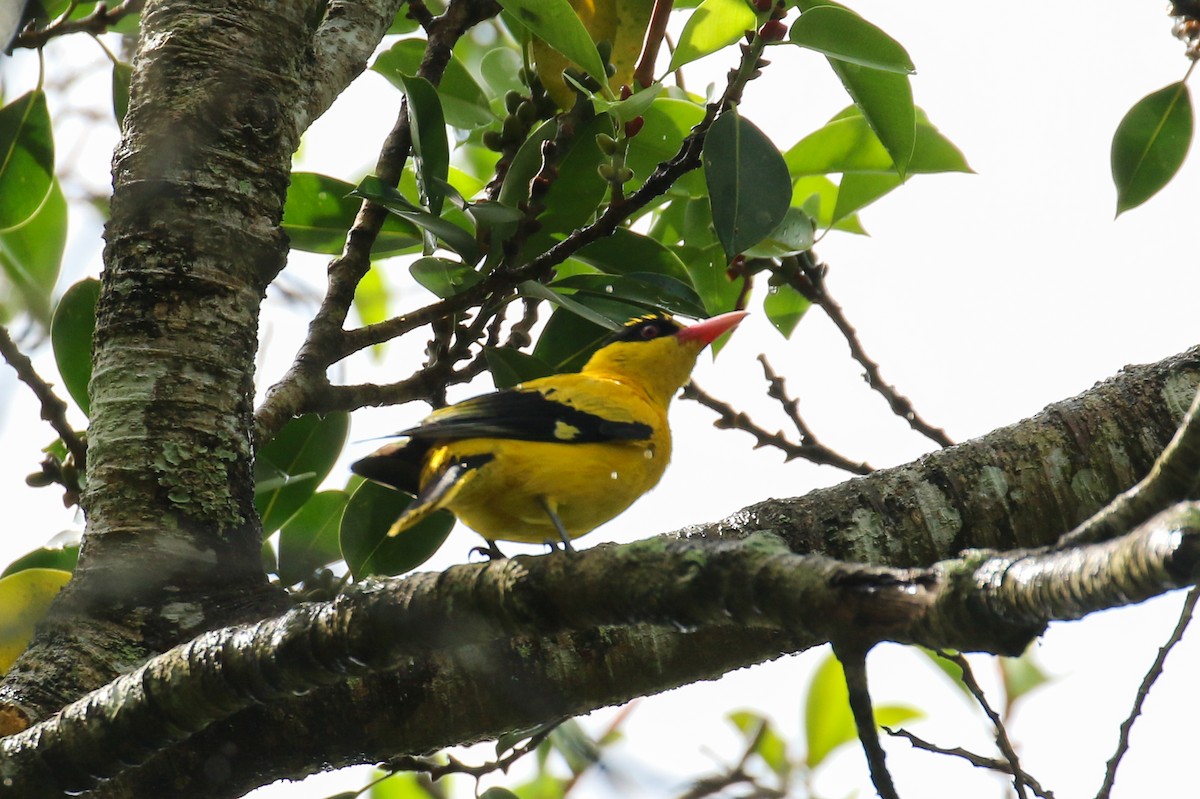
(552,458)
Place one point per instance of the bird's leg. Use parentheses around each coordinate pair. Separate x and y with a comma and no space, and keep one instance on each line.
(491,551)
(558,525)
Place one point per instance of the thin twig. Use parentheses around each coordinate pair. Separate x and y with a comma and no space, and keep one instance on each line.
(809,449)
(54,410)
(854,664)
(982,761)
(436,770)
(809,280)
(736,775)
(1156,669)
(1020,778)
(97,22)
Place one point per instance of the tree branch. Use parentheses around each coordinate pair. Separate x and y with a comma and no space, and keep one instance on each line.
(95,23)
(54,410)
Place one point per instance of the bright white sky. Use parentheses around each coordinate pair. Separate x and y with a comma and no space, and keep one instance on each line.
(983,297)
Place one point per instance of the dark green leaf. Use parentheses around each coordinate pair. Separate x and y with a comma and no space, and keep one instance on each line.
(26,158)
(510,367)
(557,24)
(122,73)
(707,269)
(443,277)
(784,307)
(463,101)
(793,235)
(430,148)
(1150,144)
(665,294)
(535,290)
(309,540)
(667,123)
(454,237)
(713,25)
(319,210)
(748,182)
(626,251)
(369,515)
(304,450)
(568,341)
(71,338)
(31,254)
(840,33)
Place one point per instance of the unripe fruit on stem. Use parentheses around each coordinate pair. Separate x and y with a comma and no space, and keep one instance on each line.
(634,126)
(773,30)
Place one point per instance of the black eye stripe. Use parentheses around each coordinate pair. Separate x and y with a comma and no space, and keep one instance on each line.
(647,328)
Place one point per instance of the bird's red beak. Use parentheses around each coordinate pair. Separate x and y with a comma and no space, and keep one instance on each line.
(708,330)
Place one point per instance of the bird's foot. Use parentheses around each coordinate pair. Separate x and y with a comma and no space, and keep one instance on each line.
(490,552)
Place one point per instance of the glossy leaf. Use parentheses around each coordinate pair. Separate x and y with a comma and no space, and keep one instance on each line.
(627,251)
(747,182)
(791,236)
(25,599)
(568,341)
(454,237)
(71,332)
(860,190)
(557,24)
(840,33)
(309,539)
(652,291)
(26,158)
(121,76)
(462,100)
(848,144)
(363,538)
(535,290)
(886,101)
(443,277)
(667,122)
(707,269)
(1150,144)
(31,254)
(510,367)
(430,149)
(713,25)
(320,210)
(784,307)
(304,451)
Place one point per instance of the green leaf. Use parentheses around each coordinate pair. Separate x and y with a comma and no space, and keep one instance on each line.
(26,158)
(48,557)
(626,251)
(71,332)
(309,540)
(31,254)
(894,715)
(568,340)
(713,25)
(364,541)
(501,70)
(847,144)
(652,291)
(860,190)
(771,747)
(463,101)
(371,298)
(122,74)
(443,277)
(886,101)
(535,290)
(828,722)
(707,269)
(454,237)
(1021,675)
(399,785)
(319,210)
(510,367)
(1150,144)
(430,149)
(784,307)
(304,451)
(667,122)
(793,235)
(818,196)
(747,182)
(557,24)
(840,33)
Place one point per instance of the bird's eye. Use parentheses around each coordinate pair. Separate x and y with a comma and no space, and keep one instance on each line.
(650,332)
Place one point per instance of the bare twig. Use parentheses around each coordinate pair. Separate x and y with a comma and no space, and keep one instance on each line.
(1156,669)
(1020,778)
(54,410)
(735,775)
(854,664)
(436,769)
(809,280)
(97,22)
(809,449)
(982,761)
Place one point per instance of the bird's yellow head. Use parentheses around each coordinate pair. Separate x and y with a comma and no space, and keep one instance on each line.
(658,353)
